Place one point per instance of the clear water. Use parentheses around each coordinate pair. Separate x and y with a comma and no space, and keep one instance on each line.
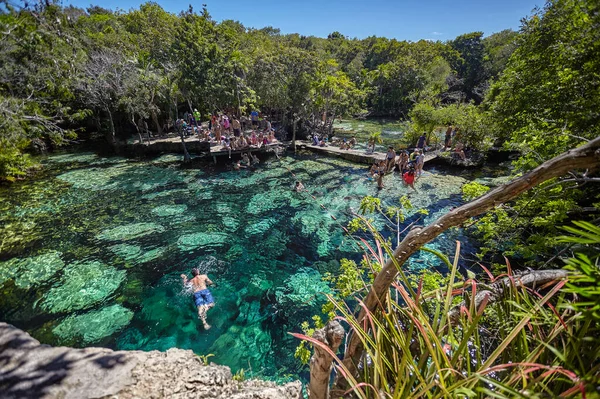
(391,130)
(91,251)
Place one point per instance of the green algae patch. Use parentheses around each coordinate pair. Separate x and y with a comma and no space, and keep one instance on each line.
(169,210)
(82,285)
(135,253)
(95,179)
(92,326)
(302,289)
(130,231)
(30,272)
(260,227)
(190,242)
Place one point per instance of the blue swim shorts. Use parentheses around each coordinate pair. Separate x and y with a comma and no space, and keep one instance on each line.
(203,297)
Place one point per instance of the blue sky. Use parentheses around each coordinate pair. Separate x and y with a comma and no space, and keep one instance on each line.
(400,19)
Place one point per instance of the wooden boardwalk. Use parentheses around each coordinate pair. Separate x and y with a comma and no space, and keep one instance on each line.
(201,149)
(358,156)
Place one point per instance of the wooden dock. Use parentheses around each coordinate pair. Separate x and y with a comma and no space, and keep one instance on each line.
(195,147)
(358,156)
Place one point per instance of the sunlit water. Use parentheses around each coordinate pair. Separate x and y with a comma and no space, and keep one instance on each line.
(91,251)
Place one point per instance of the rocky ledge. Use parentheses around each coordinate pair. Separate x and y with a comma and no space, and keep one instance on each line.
(31,370)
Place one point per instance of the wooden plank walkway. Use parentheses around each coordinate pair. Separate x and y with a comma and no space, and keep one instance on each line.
(172,144)
(358,156)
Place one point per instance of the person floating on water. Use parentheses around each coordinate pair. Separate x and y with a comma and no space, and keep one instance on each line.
(299,186)
(202,296)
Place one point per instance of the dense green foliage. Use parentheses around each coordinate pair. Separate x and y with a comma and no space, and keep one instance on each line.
(543,103)
(65,69)
(431,339)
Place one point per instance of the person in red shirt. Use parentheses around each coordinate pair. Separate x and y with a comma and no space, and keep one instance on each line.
(409,178)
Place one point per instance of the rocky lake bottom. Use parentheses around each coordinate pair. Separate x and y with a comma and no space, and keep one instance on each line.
(92,249)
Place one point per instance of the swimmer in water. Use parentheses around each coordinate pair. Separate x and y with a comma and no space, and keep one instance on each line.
(202,296)
(299,187)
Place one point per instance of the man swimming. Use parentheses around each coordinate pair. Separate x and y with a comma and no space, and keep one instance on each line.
(202,296)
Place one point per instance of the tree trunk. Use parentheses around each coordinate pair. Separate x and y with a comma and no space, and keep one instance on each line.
(321,361)
(112,135)
(186,154)
(157,124)
(496,290)
(294,134)
(584,157)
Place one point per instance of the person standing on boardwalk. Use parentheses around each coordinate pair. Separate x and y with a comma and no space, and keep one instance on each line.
(202,297)
(254,118)
(419,162)
(421,142)
(237,128)
(390,158)
(448,137)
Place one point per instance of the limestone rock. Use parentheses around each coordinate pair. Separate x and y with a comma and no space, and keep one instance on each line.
(31,370)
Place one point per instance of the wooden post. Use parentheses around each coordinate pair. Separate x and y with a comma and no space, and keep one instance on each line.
(321,361)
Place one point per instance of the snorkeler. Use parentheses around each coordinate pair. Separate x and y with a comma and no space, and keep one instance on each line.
(202,296)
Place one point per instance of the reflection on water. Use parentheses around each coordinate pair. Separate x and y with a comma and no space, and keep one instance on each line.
(92,249)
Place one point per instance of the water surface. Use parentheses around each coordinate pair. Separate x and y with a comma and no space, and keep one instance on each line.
(92,249)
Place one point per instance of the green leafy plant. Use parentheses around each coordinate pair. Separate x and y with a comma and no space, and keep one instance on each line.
(204,358)
(427,341)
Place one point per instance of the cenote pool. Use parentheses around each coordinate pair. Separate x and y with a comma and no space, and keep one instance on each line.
(91,251)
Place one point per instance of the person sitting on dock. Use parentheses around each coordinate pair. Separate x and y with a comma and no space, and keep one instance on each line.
(352,143)
(267,126)
(203,299)
(344,145)
(403,160)
(253,139)
(315,140)
(371,145)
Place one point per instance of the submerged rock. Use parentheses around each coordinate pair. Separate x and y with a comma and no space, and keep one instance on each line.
(83,284)
(30,272)
(93,326)
(302,289)
(190,242)
(130,231)
(135,253)
(169,210)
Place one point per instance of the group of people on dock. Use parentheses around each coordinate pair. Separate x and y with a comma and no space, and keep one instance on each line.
(229,132)
(410,166)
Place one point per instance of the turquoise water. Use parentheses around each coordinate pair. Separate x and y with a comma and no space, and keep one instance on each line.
(91,251)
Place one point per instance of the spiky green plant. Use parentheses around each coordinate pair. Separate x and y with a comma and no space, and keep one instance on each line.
(529,343)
